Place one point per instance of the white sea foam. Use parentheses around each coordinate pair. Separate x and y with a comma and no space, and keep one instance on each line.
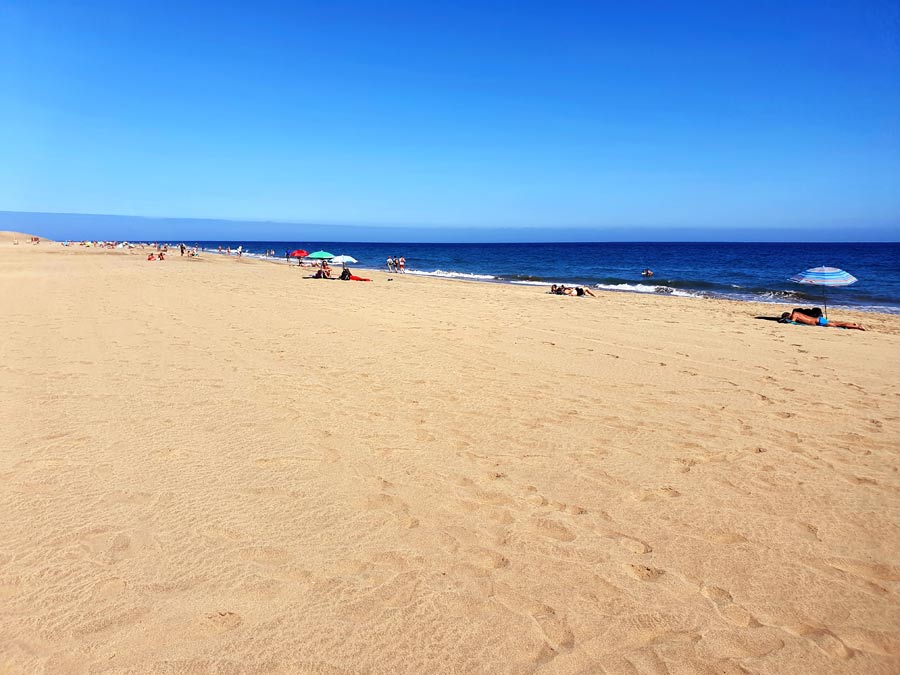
(781,295)
(641,288)
(534,283)
(881,309)
(452,275)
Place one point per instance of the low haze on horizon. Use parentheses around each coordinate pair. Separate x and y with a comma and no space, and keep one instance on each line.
(581,121)
(69,226)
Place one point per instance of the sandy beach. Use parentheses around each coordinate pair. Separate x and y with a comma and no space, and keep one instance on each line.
(218,466)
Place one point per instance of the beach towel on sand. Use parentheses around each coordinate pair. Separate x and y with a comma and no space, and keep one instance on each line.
(797,323)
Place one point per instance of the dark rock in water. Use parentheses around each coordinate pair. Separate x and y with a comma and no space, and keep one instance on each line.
(664,290)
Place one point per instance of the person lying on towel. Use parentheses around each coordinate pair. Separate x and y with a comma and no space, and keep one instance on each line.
(347,275)
(801,317)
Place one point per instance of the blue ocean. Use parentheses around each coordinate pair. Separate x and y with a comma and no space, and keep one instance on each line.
(739,271)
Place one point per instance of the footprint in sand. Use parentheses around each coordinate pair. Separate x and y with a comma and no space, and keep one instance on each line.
(570,508)
(423,436)
(393,505)
(115,620)
(103,546)
(537,500)
(487,559)
(555,637)
(666,491)
(645,573)
(554,529)
(868,571)
(684,464)
(811,531)
(718,595)
(725,537)
(221,621)
(108,588)
(631,544)
(824,639)
(861,480)
(734,614)
(555,630)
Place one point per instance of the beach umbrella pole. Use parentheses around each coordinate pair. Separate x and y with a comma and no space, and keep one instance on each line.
(824,277)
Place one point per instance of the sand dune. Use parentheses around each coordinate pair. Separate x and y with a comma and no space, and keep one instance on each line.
(8,237)
(215,466)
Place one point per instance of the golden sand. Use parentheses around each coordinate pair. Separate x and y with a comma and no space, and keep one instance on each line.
(217,466)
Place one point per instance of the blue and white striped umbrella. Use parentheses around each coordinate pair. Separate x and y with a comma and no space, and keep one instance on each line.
(824,276)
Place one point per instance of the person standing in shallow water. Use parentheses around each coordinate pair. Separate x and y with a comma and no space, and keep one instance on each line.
(390,264)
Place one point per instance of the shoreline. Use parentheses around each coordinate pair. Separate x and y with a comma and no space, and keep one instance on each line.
(661,287)
(672,292)
(761,307)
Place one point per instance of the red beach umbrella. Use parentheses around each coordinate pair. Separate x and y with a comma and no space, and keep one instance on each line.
(299,253)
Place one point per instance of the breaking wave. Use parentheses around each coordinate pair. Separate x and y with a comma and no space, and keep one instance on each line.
(647,288)
(453,275)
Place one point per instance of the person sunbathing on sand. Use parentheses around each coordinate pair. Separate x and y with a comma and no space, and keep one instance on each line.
(801,317)
(347,275)
(577,291)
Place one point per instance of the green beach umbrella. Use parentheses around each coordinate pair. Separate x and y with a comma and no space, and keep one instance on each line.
(320,255)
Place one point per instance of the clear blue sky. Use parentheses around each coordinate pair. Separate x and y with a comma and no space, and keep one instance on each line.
(776,116)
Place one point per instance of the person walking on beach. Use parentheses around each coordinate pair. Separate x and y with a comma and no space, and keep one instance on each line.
(182,247)
(401,265)
(390,264)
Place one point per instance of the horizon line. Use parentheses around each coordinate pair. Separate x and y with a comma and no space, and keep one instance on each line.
(696,233)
